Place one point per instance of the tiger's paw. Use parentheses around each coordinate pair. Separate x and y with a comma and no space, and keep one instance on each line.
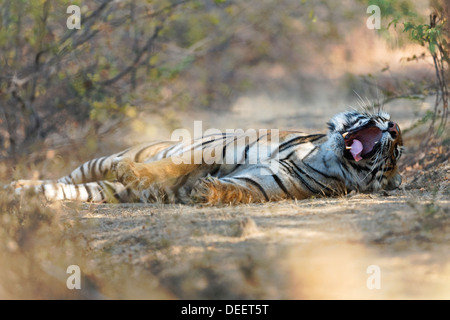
(394,182)
(212,191)
(22,183)
(131,174)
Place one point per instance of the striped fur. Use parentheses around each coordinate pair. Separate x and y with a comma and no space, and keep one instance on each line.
(296,166)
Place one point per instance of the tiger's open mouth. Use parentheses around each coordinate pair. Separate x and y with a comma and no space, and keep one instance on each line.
(362,143)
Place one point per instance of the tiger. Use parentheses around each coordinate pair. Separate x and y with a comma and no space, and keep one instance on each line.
(359,152)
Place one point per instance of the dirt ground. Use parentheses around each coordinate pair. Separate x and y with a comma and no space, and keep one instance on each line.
(311,249)
(387,245)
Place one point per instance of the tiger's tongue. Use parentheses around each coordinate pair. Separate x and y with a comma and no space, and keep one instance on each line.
(356,149)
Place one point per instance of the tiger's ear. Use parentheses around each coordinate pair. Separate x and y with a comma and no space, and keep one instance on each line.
(342,120)
(394,182)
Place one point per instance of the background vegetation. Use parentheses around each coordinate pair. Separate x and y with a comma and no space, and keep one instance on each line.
(164,56)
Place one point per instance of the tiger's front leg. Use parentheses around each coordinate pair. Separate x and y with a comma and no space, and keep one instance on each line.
(215,191)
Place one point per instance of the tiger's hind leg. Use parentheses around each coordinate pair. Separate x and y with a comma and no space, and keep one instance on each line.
(99,169)
(94,179)
(89,182)
(165,172)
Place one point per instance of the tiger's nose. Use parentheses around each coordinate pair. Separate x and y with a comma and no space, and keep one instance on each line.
(393,129)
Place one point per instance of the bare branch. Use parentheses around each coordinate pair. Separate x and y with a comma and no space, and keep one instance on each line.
(136,60)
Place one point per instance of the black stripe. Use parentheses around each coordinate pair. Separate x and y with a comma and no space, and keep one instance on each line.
(224,150)
(287,143)
(169,149)
(315,180)
(138,154)
(254,183)
(215,134)
(208,142)
(83,176)
(122,153)
(194,146)
(178,149)
(112,190)
(303,139)
(357,166)
(64,194)
(345,166)
(247,148)
(100,190)
(287,166)
(292,172)
(343,172)
(117,196)
(89,192)
(282,186)
(128,193)
(290,154)
(100,165)
(89,165)
(320,172)
(78,191)
(299,173)
(93,171)
(331,126)
(325,162)
(215,170)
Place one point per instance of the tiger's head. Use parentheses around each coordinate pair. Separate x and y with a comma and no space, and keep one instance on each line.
(369,141)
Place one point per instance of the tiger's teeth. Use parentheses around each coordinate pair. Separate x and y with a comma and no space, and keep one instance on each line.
(344,134)
(348,148)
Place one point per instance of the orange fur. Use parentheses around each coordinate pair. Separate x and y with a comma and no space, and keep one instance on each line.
(212,191)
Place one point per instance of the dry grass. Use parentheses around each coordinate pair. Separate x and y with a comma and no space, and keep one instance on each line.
(318,248)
